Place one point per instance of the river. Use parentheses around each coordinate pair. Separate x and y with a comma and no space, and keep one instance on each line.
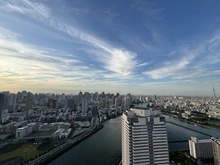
(104,147)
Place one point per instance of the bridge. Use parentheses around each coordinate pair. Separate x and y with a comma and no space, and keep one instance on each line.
(185,139)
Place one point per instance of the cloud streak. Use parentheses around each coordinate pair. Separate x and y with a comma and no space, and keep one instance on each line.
(35,9)
(37,63)
(170,70)
(115,60)
(190,63)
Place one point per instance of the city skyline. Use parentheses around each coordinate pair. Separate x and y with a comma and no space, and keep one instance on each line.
(146,48)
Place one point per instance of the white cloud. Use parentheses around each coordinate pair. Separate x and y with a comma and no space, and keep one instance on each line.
(20,61)
(36,66)
(120,61)
(113,59)
(168,70)
(34,9)
(143,64)
(214,41)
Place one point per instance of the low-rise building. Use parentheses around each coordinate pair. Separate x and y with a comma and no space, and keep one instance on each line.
(58,133)
(63,125)
(21,132)
(62,133)
(185,115)
(44,127)
(82,124)
(25,130)
(200,148)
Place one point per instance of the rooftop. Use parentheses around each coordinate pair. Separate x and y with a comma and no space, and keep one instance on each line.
(140,112)
(143,108)
(204,140)
(41,134)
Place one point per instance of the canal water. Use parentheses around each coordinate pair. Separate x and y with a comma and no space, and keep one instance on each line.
(104,147)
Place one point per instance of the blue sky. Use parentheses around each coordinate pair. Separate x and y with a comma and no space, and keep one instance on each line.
(138,47)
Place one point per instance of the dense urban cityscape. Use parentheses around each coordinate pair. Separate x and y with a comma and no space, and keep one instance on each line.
(133,82)
(59,121)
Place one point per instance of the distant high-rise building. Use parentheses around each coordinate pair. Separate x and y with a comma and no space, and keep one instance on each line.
(1,105)
(120,100)
(106,101)
(12,101)
(200,148)
(107,105)
(117,94)
(95,108)
(87,95)
(128,101)
(6,99)
(24,95)
(116,102)
(216,150)
(54,103)
(96,95)
(113,99)
(144,138)
(84,106)
(71,103)
(103,103)
(102,95)
(80,98)
(146,99)
(19,96)
(29,103)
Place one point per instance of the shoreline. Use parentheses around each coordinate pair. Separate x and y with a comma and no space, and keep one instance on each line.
(65,149)
(194,123)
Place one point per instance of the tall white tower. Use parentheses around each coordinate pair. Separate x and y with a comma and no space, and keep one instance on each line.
(144,138)
(214,92)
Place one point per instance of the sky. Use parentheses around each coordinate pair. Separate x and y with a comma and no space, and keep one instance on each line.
(142,47)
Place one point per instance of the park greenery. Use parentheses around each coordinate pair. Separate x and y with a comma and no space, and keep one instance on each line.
(25,152)
(195,117)
(179,157)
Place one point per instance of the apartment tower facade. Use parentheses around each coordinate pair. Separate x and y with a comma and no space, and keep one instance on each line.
(216,150)
(200,148)
(144,138)
(1,105)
